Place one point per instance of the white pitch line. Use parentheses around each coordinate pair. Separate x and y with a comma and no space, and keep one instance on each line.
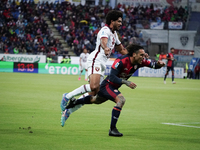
(176,124)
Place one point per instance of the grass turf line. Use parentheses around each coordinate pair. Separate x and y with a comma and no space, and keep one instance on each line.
(32,100)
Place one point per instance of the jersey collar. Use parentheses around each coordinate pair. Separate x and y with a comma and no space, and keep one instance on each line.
(109,28)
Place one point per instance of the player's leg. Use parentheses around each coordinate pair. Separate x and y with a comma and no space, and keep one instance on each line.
(94,79)
(81,70)
(107,91)
(65,114)
(86,74)
(119,100)
(173,82)
(101,97)
(71,110)
(94,83)
(96,75)
(166,75)
(79,91)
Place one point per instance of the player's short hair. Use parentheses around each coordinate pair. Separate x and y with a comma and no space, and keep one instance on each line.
(113,15)
(132,48)
(171,48)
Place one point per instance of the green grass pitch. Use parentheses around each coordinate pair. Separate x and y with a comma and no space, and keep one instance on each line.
(31,103)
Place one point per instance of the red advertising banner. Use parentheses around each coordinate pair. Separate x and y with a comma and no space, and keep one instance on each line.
(183,52)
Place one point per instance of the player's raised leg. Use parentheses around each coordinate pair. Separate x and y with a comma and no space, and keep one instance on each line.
(64,117)
(79,91)
(71,110)
(64,102)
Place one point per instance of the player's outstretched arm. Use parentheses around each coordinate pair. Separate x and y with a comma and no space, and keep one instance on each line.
(120,48)
(129,84)
(160,63)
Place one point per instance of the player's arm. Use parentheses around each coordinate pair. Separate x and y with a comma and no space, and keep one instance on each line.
(120,48)
(155,65)
(168,57)
(115,70)
(80,61)
(104,41)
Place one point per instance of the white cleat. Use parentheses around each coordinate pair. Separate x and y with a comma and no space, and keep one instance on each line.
(164,82)
(173,82)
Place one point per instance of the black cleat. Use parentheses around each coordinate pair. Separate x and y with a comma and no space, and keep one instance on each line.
(115,132)
(71,103)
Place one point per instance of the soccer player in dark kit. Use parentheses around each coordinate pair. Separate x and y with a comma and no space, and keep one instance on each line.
(170,65)
(121,70)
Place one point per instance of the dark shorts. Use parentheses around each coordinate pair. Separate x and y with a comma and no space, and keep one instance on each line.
(107,91)
(170,68)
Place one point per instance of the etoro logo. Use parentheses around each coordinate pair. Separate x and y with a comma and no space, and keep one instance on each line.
(61,70)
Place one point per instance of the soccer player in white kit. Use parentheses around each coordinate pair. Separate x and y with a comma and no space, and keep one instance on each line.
(83,65)
(107,40)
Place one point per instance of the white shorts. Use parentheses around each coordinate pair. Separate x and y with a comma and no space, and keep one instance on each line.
(83,66)
(95,68)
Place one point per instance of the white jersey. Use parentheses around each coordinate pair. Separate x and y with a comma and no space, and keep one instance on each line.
(98,55)
(84,57)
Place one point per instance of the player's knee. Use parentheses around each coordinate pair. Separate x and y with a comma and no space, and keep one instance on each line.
(121,101)
(94,87)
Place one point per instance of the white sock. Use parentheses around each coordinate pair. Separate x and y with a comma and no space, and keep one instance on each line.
(81,90)
(85,74)
(80,74)
(71,110)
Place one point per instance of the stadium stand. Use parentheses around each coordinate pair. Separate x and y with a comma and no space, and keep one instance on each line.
(194,24)
(23,30)
(30,28)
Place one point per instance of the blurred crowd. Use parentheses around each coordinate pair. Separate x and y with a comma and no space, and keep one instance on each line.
(24,30)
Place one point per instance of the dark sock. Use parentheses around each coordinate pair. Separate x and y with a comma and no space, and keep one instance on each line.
(172,77)
(84,100)
(115,115)
(165,77)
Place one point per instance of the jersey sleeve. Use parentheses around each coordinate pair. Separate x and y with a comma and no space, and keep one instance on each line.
(81,55)
(104,32)
(150,64)
(118,42)
(115,70)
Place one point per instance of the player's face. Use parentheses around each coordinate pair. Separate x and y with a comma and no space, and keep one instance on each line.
(117,24)
(172,51)
(139,56)
(85,51)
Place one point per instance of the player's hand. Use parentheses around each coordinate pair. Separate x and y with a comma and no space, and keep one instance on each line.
(129,84)
(161,63)
(132,85)
(107,51)
(146,55)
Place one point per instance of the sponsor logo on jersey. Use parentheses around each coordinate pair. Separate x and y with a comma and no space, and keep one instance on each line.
(117,64)
(97,69)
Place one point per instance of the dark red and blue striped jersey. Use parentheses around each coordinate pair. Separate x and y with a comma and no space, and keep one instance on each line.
(170,62)
(123,69)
